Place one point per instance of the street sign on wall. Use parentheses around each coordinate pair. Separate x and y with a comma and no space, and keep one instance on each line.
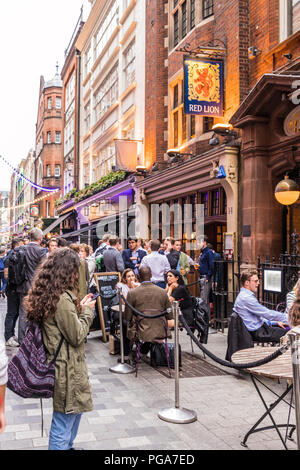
(203,87)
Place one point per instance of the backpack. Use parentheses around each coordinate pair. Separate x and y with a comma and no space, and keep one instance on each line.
(100,267)
(201,319)
(29,375)
(17,267)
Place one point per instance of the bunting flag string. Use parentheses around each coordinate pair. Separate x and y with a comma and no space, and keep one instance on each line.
(24,178)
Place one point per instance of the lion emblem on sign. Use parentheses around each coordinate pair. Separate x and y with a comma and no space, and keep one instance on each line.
(204,82)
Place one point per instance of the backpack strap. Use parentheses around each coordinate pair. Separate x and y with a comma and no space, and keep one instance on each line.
(58,349)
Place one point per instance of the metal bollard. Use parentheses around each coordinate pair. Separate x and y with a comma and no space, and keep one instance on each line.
(121,368)
(177,415)
(294,338)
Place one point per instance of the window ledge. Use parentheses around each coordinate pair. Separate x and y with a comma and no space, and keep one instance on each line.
(127,11)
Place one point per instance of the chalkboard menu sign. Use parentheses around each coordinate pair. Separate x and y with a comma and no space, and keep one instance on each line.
(106,285)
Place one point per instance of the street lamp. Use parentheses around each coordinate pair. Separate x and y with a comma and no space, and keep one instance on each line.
(287,191)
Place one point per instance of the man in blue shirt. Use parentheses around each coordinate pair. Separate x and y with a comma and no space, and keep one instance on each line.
(263,324)
(206,269)
(133,256)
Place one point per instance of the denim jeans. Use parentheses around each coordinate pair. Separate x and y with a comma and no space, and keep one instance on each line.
(3,282)
(64,428)
(13,304)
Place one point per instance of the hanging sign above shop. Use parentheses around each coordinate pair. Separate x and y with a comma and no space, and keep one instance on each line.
(34,210)
(203,87)
(292,122)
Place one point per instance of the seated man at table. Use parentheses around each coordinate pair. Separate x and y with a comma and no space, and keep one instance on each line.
(263,324)
(149,300)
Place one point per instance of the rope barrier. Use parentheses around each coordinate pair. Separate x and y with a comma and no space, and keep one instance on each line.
(232,365)
(220,361)
(137,313)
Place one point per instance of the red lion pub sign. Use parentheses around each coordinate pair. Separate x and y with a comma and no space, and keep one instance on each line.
(203,87)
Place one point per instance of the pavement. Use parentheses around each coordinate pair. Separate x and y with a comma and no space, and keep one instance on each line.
(125,415)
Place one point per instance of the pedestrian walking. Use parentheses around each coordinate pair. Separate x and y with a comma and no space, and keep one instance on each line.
(54,302)
(52,245)
(2,278)
(34,254)
(13,298)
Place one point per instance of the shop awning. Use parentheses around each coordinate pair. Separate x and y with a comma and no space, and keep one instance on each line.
(56,223)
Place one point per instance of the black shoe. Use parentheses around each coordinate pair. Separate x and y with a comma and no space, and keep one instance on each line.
(76,448)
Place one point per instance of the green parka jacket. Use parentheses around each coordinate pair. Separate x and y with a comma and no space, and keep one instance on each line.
(72,392)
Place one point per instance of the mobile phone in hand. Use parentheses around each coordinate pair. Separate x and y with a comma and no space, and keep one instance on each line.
(95,296)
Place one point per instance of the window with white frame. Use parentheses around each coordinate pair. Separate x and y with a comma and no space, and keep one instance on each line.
(70,90)
(106,160)
(86,173)
(48,137)
(129,132)
(48,209)
(129,65)
(126,4)
(57,137)
(107,93)
(49,101)
(57,171)
(106,28)
(289,18)
(48,171)
(87,61)
(69,135)
(87,117)
(58,102)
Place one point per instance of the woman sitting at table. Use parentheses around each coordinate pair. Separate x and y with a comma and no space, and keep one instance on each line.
(128,282)
(177,291)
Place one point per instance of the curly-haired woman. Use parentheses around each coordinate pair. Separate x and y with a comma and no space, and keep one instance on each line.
(54,302)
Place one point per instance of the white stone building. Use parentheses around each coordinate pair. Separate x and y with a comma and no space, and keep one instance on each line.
(112,106)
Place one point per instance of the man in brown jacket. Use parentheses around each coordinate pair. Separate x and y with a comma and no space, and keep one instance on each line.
(149,300)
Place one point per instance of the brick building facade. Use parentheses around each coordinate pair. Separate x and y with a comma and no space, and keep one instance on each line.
(268,119)
(49,127)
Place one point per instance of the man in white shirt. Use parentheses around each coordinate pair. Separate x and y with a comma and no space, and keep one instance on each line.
(158,264)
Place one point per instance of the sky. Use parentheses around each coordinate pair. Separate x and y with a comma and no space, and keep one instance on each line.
(33,37)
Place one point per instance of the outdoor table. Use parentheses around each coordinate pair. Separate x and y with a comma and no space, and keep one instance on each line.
(279,368)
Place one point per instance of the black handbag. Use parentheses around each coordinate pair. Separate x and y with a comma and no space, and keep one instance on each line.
(158,357)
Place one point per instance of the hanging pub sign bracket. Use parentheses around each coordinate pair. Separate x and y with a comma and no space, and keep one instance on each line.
(210,50)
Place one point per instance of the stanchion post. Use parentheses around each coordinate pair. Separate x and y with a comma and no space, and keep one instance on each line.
(294,338)
(177,415)
(176,358)
(121,368)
